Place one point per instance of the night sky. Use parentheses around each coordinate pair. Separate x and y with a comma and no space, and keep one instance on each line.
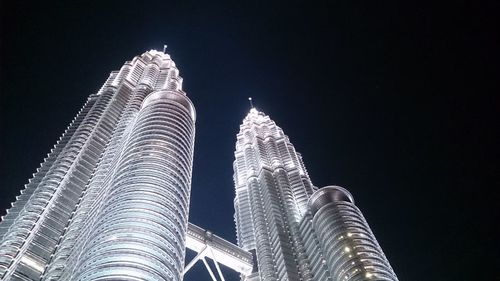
(395,102)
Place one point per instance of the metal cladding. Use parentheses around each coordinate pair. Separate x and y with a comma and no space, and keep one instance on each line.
(350,249)
(295,230)
(111,200)
(272,191)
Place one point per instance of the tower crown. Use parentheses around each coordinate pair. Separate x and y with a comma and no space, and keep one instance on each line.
(256,117)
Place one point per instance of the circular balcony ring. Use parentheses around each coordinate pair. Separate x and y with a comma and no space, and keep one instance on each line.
(328,194)
(171,95)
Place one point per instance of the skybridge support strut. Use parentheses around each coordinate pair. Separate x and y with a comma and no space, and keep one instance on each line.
(220,251)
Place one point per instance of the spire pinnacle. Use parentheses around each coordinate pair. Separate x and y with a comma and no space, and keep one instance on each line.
(164,48)
(251,103)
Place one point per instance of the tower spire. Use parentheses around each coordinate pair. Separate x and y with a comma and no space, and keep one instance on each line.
(164,48)
(251,103)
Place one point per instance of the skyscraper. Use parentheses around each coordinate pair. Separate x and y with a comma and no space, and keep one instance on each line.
(295,230)
(111,199)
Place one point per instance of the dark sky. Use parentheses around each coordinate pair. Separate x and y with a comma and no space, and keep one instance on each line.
(395,102)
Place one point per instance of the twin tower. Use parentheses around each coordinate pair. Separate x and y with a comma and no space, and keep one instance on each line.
(111,199)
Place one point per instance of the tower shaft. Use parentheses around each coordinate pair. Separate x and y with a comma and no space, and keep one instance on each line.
(272,189)
(111,200)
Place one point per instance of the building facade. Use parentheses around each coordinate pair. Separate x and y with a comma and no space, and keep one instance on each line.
(111,199)
(295,230)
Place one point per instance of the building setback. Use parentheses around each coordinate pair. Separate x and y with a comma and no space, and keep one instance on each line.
(295,230)
(111,199)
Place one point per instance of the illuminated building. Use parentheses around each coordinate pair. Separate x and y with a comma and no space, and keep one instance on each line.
(295,230)
(111,199)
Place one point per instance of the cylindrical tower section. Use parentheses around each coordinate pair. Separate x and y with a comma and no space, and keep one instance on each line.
(349,247)
(141,232)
